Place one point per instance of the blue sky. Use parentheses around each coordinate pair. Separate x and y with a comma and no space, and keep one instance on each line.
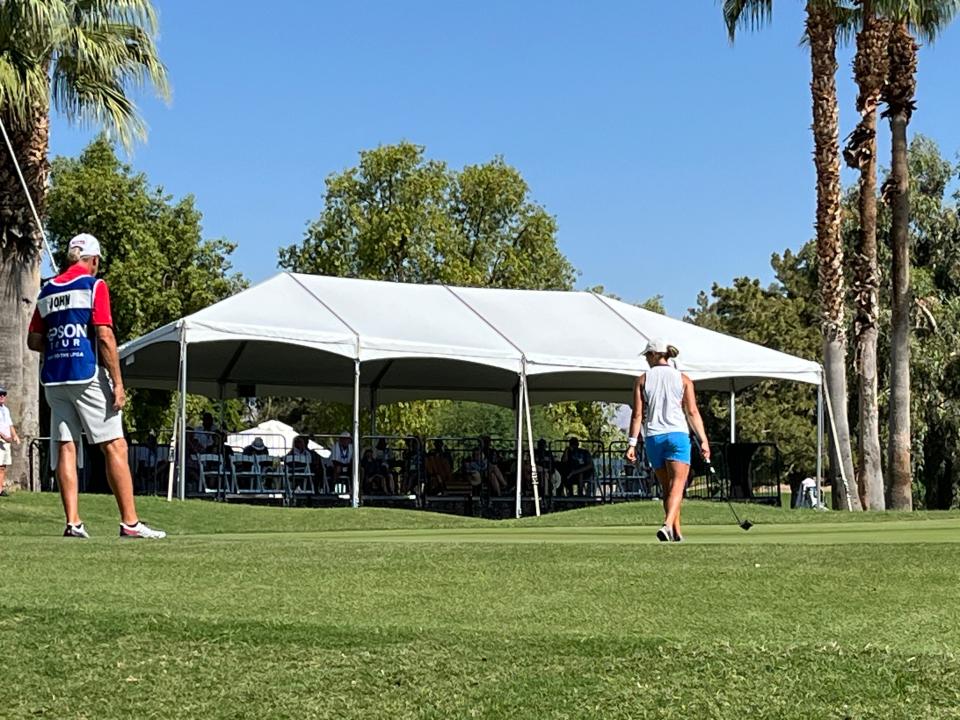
(670,159)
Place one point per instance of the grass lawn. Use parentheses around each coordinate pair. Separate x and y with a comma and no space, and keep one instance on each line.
(271,613)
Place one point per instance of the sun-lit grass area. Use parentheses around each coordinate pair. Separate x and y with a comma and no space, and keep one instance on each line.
(251,612)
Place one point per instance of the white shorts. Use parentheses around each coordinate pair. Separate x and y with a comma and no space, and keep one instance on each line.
(6,456)
(87,407)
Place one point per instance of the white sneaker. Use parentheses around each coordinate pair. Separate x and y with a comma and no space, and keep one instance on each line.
(77,531)
(139,530)
(665,534)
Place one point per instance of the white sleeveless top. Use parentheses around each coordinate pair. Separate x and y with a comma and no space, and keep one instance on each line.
(663,396)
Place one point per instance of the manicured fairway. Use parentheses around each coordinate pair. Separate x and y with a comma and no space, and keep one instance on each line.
(901,531)
(263,613)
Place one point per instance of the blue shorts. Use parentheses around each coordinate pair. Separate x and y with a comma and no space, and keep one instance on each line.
(669,446)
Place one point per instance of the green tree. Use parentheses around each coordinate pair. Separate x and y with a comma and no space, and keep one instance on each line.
(398,216)
(784,316)
(156,262)
(934,321)
(82,58)
(870,71)
(826,20)
(925,18)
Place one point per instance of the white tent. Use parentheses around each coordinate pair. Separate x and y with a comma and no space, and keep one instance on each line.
(365,342)
(277,436)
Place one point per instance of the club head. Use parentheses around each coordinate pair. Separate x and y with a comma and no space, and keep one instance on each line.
(746,525)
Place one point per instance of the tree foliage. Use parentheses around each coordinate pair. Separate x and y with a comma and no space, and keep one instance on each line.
(399,216)
(82,56)
(783,316)
(155,260)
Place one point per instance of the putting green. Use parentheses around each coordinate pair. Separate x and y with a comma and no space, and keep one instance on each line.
(900,532)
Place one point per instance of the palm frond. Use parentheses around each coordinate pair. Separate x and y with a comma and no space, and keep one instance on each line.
(104,53)
(849,19)
(746,14)
(31,18)
(84,55)
(96,101)
(25,27)
(925,18)
(130,13)
(23,87)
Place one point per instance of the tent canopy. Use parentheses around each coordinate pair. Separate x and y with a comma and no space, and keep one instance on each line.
(303,335)
(277,436)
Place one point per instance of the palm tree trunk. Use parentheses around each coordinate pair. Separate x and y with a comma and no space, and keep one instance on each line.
(20,243)
(870,476)
(870,70)
(899,95)
(821,31)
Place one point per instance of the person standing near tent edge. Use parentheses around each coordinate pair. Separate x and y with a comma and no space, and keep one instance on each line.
(82,383)
(665,404)
(8,436)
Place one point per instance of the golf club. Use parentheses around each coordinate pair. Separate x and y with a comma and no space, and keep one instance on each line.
(744,524)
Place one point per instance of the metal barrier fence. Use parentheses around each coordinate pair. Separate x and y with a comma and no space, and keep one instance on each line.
(421,472)
(749,472)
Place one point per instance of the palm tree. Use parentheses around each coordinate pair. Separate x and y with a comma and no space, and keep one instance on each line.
(870,72)
(825,20)
(926,18)
(81,57)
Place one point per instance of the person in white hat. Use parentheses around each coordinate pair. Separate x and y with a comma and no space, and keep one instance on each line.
(257,447)
(341,459)
(72,329)
(665,405)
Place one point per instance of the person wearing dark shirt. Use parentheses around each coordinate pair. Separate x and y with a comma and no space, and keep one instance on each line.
(439,467)
(257,447)
(578,467)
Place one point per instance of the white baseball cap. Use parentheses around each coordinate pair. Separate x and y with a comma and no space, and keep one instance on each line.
(89,246)
(655,345)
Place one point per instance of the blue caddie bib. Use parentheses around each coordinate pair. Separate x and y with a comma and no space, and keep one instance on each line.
(70,347)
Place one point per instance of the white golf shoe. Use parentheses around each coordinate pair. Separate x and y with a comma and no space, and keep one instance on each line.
(140,530)
(76,531)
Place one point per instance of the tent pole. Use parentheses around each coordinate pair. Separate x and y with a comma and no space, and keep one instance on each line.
(518,413)
(836,449)
(182,492)
(220,387)
(175,447)
(355,474)
(733,414)
(820,441)
(373,411)
(533,460)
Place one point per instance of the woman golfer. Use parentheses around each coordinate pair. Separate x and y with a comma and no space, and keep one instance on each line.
(663,400)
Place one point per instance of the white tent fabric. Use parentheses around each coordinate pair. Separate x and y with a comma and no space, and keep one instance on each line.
(302,335)
(308,335)
(277,436)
